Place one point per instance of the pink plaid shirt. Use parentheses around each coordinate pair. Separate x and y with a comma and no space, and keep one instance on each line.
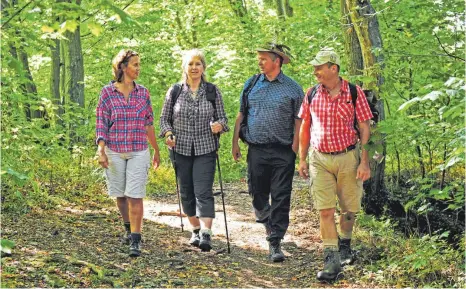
(122,124)
(332,120)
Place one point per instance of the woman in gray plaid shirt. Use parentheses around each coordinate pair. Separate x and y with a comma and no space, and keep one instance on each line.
(190,124)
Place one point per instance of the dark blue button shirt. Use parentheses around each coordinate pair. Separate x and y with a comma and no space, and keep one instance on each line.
(273,107)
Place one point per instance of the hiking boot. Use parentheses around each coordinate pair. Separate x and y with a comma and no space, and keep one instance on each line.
(205,243)
(331,265)
(275,251)
(135,246)
(126,239)
(195,238)
(346,254)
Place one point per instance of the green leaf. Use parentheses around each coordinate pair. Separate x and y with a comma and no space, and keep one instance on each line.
(6,246)
(16,174)
(95,28)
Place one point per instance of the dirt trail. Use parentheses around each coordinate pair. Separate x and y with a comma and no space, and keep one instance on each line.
(79,246)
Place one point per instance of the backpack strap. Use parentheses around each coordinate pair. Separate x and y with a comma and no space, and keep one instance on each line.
(175,93)
(311,93)
(247,90)
(211,95)
(354,97)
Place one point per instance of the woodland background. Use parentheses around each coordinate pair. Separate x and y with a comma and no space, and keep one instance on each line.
(56,56)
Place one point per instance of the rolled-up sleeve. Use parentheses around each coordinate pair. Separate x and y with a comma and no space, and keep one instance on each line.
(102,118)
(149,119)
(166,114)
(222,118)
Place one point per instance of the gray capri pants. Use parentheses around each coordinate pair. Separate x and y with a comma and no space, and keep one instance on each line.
(127,173)
(195,178)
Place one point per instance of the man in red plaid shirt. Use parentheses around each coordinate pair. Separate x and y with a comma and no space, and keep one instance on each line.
(338,162)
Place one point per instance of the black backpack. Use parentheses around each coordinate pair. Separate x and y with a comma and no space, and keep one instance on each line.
(354,96)
(211,95)
(244,124)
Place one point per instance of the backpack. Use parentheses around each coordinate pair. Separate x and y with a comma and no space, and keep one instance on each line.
(244,124)
(211,95)
(354,96)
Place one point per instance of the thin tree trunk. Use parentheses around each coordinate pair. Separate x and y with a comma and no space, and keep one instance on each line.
(421,162)
(362,36)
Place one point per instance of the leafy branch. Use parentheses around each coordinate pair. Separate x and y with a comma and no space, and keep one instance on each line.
(443,48)
(16,13)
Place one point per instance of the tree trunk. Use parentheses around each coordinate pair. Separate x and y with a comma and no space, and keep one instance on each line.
(55,81)
(17,51)
(362,37)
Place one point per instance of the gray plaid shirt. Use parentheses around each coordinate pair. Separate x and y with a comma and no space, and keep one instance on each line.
(192,119)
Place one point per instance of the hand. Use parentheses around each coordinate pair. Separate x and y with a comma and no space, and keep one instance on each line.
(156,159)
(170,141)
(295,147)
(103,160)
(216,127)
(364,172)
(303,169)
(236,152)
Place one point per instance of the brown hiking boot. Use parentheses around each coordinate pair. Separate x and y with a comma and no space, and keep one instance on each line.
(332,265)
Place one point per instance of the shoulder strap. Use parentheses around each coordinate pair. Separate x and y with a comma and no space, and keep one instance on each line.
(354,97)
(247,90)
(354,93)
(175,93)
(311,93)
(211,95)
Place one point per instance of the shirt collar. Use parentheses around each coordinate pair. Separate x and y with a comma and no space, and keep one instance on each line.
(136,86)
(280,77)
(344,86)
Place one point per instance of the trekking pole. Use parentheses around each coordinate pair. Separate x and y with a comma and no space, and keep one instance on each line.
(176,180)
(221,191)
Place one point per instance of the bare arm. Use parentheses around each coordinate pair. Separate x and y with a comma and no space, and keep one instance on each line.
(153,142)
(297,126)
(304,141)
(235,151)
(364,172)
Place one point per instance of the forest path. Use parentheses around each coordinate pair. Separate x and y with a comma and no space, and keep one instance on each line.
(80,246)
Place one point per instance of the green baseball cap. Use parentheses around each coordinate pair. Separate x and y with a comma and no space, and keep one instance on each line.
(325,55)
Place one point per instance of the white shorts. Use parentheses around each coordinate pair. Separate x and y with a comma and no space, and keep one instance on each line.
(127,173)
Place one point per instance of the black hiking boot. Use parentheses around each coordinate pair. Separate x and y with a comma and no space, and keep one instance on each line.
(135,246)
(346,254)
(275,251)
(332,265)
(205,243)
(195,238)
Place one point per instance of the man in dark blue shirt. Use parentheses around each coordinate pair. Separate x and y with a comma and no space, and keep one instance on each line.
(272,130)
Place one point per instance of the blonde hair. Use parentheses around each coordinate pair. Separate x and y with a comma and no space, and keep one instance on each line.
(122,57)
(187,56)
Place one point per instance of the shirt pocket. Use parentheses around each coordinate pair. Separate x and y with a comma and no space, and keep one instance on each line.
(345,111)
(140,108)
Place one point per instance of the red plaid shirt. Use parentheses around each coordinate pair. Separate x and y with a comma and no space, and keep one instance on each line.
(122,124)
(332,120)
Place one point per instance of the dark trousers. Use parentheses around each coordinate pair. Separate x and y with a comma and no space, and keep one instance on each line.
(270,174)
(195,178)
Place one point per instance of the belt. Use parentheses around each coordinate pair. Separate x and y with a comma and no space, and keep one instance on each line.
(270,145)
(350,148)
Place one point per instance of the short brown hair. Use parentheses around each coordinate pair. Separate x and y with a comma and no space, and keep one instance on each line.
(122,57)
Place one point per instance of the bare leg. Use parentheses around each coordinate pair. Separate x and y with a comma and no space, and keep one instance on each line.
(206,223)
(136,211)
(122,204)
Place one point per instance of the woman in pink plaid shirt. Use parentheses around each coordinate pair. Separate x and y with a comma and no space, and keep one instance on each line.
(124,124)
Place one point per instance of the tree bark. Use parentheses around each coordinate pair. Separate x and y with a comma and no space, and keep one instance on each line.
(362,36)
